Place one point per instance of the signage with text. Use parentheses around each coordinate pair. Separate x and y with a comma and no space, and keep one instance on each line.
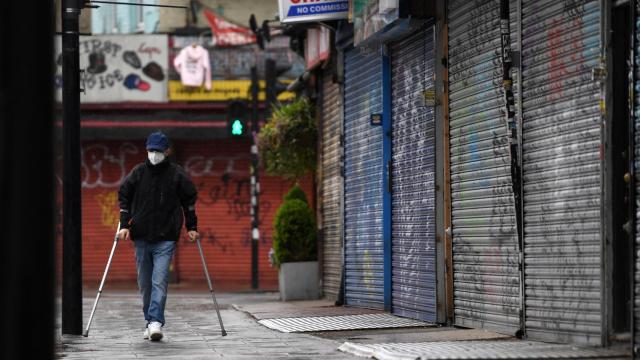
(119,68)
(371,16)
(221,90)
(312,10)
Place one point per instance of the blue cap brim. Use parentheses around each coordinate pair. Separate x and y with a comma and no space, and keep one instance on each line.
(155,148)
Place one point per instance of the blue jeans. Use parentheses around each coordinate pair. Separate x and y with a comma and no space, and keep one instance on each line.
(152,262)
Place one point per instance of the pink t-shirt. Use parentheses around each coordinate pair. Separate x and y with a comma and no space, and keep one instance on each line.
(193,66)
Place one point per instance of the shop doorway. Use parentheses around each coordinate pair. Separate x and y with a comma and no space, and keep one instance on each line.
(622,186)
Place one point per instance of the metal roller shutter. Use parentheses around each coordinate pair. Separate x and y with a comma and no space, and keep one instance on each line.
(220,172)
(104,166)
(561,170)
(413,175)
(485,240)
(363,180)
(331,186)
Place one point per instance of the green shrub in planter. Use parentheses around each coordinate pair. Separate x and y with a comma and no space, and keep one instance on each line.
(296,192)
(294,233)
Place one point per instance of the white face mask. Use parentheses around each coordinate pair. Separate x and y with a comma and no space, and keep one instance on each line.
(155,157)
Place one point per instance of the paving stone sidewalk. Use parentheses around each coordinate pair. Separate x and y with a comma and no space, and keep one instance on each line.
(191,332)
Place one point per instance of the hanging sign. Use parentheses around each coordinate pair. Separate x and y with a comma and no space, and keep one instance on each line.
(317,46)
(221,90)
(371,16)
(312,10)
(119,68)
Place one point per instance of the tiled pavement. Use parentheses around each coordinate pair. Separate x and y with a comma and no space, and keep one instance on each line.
(191,332)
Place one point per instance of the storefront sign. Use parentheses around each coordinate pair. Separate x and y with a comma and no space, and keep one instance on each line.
(317,46)
(119,68)
(221,90)
(371,16)
(312,10)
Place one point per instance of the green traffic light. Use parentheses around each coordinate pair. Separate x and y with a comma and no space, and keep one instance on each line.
(236,127)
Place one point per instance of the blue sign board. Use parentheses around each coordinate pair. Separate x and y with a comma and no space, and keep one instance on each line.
(312,10)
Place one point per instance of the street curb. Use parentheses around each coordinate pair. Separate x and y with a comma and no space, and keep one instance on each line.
(238,308)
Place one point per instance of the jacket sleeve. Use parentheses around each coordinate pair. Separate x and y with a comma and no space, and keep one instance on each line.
(188,196)
(125,196)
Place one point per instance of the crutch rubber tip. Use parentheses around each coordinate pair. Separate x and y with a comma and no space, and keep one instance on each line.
(224,333)
(85,333)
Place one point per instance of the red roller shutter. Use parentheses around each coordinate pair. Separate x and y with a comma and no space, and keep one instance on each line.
(220,170)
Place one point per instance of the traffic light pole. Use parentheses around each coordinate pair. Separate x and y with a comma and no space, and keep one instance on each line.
(255,184)
(271,96)
(71,194)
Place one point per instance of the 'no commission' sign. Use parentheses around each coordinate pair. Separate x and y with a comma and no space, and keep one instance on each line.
(310,10)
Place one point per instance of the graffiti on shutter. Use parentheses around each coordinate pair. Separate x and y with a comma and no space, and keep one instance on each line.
(363,180)
(561,170)
(413,177)
(485,240)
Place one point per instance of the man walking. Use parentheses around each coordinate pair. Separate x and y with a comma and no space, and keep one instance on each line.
(154,198)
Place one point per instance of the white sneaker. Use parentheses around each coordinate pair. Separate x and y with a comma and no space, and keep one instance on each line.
(155,331)
(146,334)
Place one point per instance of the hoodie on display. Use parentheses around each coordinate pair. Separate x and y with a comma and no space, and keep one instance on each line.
(192,63)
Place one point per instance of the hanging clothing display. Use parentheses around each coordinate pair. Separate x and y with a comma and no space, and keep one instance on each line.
(192,63)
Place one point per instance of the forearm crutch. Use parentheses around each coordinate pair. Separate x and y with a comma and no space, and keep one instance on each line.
(104,277)
(213,296)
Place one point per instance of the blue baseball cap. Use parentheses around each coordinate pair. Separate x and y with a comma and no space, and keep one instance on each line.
(157,141)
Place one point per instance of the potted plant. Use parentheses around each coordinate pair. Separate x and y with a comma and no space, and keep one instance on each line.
(287,142)
(295,248)
(287,146)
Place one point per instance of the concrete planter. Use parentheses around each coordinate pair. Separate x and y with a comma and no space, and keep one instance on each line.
(299,281)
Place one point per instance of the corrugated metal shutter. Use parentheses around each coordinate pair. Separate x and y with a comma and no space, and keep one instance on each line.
(561,170)
(363,180)
(220,171)
(104,165)
(485,240)
(413,178)
(331,186)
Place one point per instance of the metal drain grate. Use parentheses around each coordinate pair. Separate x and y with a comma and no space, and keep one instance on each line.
(477,350)
(346,322)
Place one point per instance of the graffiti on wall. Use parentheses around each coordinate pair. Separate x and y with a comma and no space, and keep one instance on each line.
(223,183)
(108,203)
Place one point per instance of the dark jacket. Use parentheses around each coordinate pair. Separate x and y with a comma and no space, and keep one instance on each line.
(153,200)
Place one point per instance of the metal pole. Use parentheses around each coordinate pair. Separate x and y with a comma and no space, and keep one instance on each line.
(104,278)
(213,296)
(72,229)
(633,181)
(27,187)
(255,184)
